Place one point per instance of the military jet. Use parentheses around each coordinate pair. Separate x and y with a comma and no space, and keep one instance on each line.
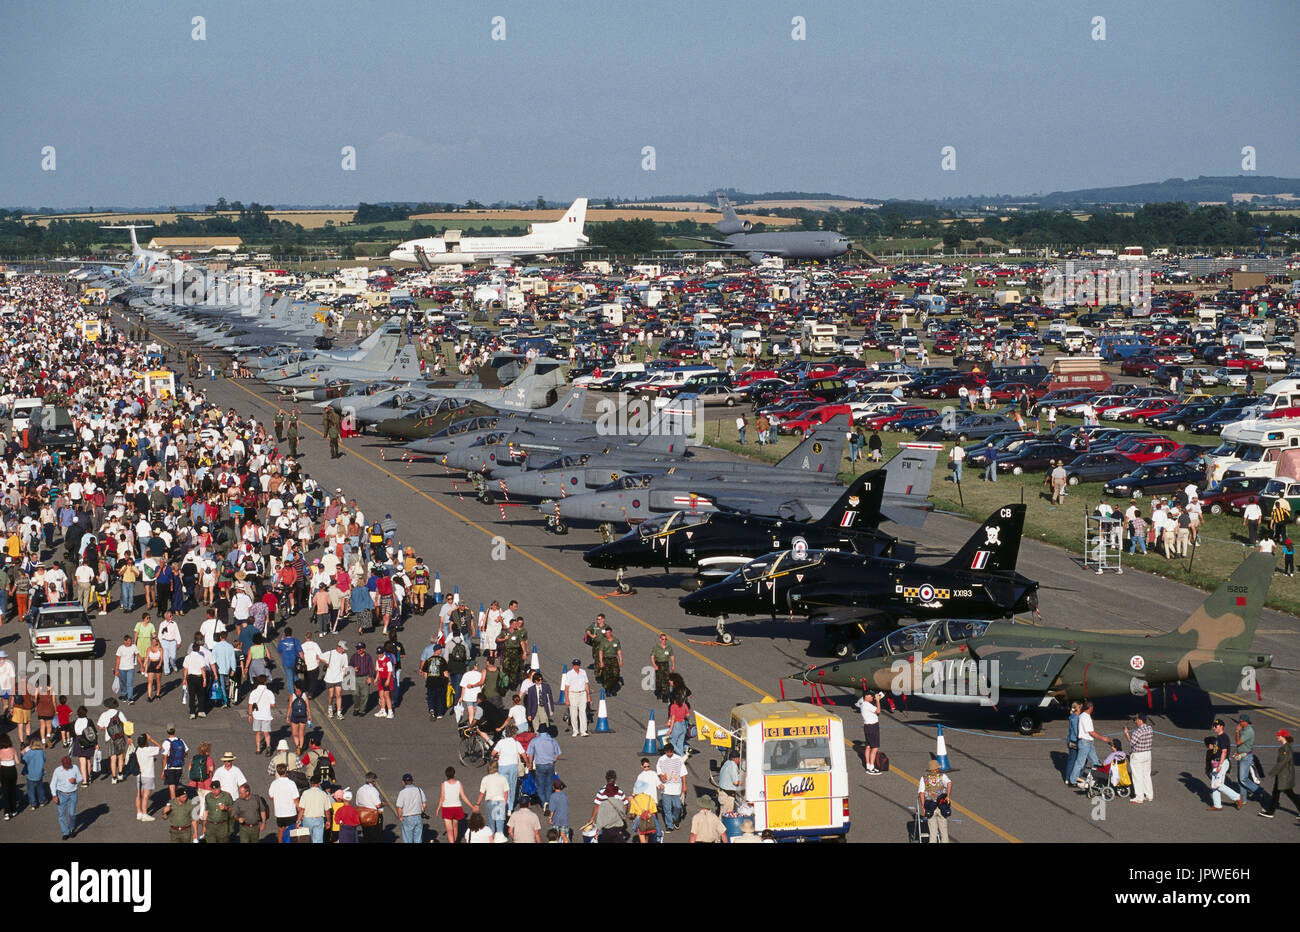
(800,244)
(1030,667)
(431,417)
(715,544)
(850,592)
(405,367)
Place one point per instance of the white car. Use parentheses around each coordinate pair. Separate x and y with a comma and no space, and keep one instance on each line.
(1232,378)
(62,628)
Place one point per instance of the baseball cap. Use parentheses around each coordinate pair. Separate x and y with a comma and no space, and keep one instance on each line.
(171,729)
(1244,718)
(1218,723)
(576,661)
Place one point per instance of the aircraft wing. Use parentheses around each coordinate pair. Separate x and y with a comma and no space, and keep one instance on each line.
(1024,667)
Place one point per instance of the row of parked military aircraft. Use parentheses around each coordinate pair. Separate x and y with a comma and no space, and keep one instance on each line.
(786,540)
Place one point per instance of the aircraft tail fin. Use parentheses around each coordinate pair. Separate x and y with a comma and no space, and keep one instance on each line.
(822,451)
(995,547)
(730,223)
(135,243)
(859,507)
(1227,619)
(911,473)
(567,231)
(406,365)
(568,407)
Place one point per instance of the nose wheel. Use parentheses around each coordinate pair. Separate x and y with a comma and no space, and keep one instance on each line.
(724,636)
(622,584)
(1027,721)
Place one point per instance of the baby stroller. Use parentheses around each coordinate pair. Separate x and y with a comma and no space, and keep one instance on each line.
(1111,778)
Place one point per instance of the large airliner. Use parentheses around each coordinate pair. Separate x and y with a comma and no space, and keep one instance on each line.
(564,235)
(797,244)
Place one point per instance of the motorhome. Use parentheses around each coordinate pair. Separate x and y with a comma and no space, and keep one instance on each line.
(822,339)
(1251,448)
(1279,400)
(1249,344)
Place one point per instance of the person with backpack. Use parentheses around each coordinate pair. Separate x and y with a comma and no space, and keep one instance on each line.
(202,766)
(173,755)
(433,667)
(299,716)
(261,705)
(113,724)
(318,762)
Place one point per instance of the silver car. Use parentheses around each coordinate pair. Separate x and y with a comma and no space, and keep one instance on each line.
(62,628)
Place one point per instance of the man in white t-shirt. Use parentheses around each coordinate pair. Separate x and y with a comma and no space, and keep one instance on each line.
(284,798)
(471,684)
(1088,738)
(575,687)
(261,705)
(311,658)
(509,754)
(671,769)
(124,664)
(494,789)
(336,667)
(210,626)
(869,706)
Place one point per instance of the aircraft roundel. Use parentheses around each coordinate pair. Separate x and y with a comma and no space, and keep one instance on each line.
(926,593)
(799,548)
(636,503)
(817,447)
(1137,662)
(573,480)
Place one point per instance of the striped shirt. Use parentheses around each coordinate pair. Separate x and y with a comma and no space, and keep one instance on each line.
(1140,738)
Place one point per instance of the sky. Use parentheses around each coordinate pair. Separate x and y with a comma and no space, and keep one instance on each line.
(140,113)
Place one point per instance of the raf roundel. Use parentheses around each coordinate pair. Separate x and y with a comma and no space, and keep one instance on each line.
(927,593)
(1136,662)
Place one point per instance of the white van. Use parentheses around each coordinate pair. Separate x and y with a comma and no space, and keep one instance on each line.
(823,339)
(22,414)
(1249,344)
(620,372)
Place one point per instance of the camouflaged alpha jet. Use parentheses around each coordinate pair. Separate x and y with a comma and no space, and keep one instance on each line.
(1029,667)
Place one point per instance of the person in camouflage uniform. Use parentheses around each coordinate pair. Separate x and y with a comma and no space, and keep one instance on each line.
(182,827)
(594,636)
(513,649)
(610,666)
(219,804)
(665,663)
(278,421)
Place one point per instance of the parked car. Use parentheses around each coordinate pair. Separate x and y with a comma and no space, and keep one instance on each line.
(1153,478)
(1217,498)
(972,427)
(1033,456)
(1097,467)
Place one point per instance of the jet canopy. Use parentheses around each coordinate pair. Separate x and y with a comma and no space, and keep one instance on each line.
(628,483)
(924,634)
(780,564)
(567,462)
(673,522)
(468,426)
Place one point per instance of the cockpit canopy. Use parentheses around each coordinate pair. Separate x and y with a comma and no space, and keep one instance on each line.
(924,634)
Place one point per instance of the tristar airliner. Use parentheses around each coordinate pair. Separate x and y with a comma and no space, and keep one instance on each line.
(564,235)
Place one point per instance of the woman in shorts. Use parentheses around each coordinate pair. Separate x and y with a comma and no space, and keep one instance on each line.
(85,738)
(384,683)
(45,712)
(145,781)
(453,804)
(153,668)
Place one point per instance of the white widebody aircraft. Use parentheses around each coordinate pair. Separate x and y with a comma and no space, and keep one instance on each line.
(564,235)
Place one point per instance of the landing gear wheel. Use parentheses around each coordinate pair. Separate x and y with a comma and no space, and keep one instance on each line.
(1027,723)
(486,497)
(724,636)
(561,527)
(622,584)
(841,649)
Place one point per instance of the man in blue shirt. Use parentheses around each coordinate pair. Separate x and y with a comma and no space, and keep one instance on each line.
(64,782)
(545,751)
(991,465)
(223,654)
(289,649)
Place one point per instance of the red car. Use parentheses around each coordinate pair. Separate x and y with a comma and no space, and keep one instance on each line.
(1241,362)
(952,385)
(1139,365)
(878,421)
(1146,449)
(814,418)
(1011,391)
(1149,409)
(753,375)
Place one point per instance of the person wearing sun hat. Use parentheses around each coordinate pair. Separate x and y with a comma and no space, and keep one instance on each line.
(934,800)
(1283,774)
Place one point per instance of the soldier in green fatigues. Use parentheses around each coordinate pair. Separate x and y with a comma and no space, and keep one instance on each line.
(293,438)
(513,649)
(278,421)
(333,430)
(610,665)
(219,806)
(661,655)
(250,814)
(595,636)
(182,827)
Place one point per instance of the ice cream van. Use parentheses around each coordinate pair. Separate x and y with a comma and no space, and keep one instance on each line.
(795,776)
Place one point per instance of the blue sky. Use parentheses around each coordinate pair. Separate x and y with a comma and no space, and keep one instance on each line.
(141,114)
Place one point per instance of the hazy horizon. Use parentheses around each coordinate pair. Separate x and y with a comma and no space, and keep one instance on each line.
(141,115)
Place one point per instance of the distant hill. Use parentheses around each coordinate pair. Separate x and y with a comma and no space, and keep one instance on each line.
(1206,188)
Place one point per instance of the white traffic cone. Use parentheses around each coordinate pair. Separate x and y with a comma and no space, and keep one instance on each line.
(437,589)
(534,663)
(941,750)
(651,745)
(602,717)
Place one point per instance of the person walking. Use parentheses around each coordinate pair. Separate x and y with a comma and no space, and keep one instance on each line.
(453,804)
(1139,758)
(64,783)
(990,463)
(1217,767)
(576,689)
(1088,736)
(411,806)
(956,457)
(1245,756)
(1283,774)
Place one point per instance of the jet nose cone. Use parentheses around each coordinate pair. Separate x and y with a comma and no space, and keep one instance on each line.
(604,556)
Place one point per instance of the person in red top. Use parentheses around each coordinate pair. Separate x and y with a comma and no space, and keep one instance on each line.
(384,683)
(347,820)
(384,589)
(286,579)
(272,603)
